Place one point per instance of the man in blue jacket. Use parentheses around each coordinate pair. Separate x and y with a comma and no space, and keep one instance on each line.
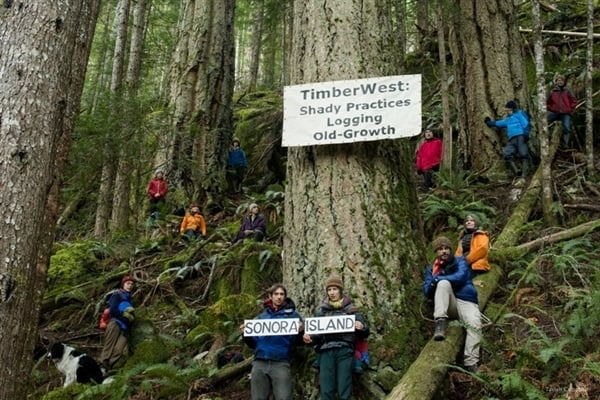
(449,284)
(517,131)
(271,365)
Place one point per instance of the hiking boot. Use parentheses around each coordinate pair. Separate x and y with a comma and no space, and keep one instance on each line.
(472,368)
(440,329)
(513,167)
(525,168)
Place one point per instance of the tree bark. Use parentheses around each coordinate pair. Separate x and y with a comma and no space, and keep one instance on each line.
(42,66)
(130,148)
(589,98)
(446,124)
(487,51)
(201,96)
(257,38)
(350,208)
(110,153)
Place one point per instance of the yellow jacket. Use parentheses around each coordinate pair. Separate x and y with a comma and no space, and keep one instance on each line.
(194,222)
(478,254)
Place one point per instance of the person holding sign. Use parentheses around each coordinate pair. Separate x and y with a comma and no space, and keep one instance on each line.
(336,349)
(272,334)
(448,283)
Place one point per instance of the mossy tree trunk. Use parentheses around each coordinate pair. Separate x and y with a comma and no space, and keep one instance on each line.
(202,82)
(487,53)
(352,209)
(43,57)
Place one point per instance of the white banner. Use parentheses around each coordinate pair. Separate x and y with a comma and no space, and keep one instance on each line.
(333,324)
(271,327)
(352,111)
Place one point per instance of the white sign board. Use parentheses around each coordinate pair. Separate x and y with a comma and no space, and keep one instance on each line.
(352,111)
(333,324)
(271,327)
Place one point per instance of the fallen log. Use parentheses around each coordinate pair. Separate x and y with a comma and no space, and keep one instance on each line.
(571,233)
(205,384)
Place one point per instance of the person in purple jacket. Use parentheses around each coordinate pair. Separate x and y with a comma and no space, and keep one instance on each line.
(254,225)
(448,282)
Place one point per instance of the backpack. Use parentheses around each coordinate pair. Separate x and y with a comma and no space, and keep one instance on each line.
(104,318)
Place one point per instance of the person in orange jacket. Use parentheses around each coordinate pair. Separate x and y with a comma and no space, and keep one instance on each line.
(474,244)
(193,225)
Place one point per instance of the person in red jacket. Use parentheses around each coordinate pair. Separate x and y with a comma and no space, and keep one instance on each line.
(561,103)
(429,156)
(157,190)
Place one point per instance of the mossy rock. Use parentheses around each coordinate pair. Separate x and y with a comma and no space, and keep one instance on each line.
(150,351)
(70,264)
(387,378)
(223,317)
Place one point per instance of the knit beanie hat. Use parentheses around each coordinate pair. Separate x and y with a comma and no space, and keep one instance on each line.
(334,280)
(127,278)
(251,206)
(441,241)
(471,216)
(511,104)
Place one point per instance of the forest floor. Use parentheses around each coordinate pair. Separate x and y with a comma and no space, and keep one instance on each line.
(579,204)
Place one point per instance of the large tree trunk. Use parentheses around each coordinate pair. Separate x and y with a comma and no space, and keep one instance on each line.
(350,208)
(201,93)
(42,65)
(487,52)
(257,40)
(131,145)
(110,153)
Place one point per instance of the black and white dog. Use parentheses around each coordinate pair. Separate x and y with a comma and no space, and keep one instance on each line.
(77,366)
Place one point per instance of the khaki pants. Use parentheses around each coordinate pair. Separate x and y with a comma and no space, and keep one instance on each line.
(446,305)
(115,345)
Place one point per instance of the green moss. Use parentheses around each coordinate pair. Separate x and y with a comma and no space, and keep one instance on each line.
(150,351)
(223,317)
(72,263)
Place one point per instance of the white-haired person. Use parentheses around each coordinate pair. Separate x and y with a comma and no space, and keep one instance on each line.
(253,226)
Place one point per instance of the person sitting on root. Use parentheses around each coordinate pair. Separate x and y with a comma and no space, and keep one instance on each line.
(254,225)
(448,282)
(474,244)
(193,225)
(516,125)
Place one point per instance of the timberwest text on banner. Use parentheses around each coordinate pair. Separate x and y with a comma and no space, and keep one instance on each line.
(271,327)
(333,324)
(351,111)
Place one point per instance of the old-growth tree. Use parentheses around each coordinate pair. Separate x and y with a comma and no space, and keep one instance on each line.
(45,46)
(200,95)
(488,56)
(350,208)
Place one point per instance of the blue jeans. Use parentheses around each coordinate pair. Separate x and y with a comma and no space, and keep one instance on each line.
(516,146)
(565,120)
(267,373)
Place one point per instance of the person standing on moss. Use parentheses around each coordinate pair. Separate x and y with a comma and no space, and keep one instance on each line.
(236,166)
(122,315)
(271,365)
